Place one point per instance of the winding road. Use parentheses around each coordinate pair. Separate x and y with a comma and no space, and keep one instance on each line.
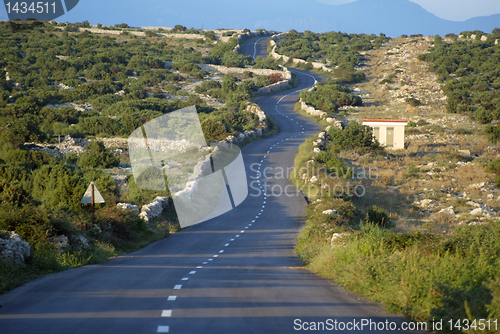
(236,273)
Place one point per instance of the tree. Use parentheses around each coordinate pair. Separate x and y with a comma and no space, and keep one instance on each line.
(213,129)
(96,155)
(179,28)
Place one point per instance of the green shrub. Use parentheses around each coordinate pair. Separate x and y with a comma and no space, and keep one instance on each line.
(412,170)
(330,160)
(355,136)
(58,186)
(329,95)
(413,102)
(96,155)
(493,132)
(462,131)
(377,216)
(494,167)
(213,129)
(494,306)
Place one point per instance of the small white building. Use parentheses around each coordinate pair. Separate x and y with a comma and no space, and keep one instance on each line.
(388,132)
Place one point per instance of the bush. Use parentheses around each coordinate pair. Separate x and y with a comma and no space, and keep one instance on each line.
(494,167)
(493,132)
(330,160)
(494,306)
(355,136)
(328,96)
(377,216)
(413,102)
(96,155)
(213,129)
(275,77)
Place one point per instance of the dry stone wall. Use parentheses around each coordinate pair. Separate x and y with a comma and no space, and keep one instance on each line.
(138,33)
(154,209)
(319,113)
(239,70)
(275,42)
(250,35)
(285,73)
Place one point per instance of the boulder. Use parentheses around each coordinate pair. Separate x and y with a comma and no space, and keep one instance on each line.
(447,211)
(61,243)
(476,212)
(80,243)
(129,207)
(14,249)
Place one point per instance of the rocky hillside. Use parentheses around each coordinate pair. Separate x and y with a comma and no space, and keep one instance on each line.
(440,179)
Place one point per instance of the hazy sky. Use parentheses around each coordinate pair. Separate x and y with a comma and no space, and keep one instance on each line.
(455,10)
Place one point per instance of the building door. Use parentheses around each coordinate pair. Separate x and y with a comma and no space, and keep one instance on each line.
(389,138)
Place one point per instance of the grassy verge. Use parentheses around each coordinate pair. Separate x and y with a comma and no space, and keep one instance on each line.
(424,275)
(116,232)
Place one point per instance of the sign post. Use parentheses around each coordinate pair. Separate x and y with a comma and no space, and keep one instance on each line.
(92,195)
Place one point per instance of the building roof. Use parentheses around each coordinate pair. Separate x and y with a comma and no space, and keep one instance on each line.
(385,121)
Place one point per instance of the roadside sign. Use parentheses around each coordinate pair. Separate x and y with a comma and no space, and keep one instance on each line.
(87,197)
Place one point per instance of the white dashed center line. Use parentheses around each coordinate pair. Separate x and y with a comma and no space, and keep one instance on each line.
(162,329)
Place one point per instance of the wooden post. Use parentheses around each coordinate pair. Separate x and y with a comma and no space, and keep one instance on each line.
(92,202)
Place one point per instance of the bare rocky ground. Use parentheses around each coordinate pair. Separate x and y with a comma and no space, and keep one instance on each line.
(439,180)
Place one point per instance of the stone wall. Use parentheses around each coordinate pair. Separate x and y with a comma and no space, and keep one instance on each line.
(253,108)
(239,70)
(138,33)
(129,207)
(320,113)
(274,43)
(285,73)
(274,87)
(154,209)
(250,35)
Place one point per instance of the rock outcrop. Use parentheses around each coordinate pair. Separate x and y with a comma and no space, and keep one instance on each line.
(14,249)
(129,207)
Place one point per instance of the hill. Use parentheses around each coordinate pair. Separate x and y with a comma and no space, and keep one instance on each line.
(392,17)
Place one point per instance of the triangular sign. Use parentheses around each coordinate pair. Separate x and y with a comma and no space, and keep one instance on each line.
(87,197)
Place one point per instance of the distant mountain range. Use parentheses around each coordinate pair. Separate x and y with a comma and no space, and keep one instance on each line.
(392,17)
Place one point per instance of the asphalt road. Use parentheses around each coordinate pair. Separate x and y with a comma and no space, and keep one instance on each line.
(236,273)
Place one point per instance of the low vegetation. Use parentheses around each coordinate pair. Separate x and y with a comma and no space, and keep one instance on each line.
(329,96)
(399,226)
(340,51)
(469,70)
(56,80)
